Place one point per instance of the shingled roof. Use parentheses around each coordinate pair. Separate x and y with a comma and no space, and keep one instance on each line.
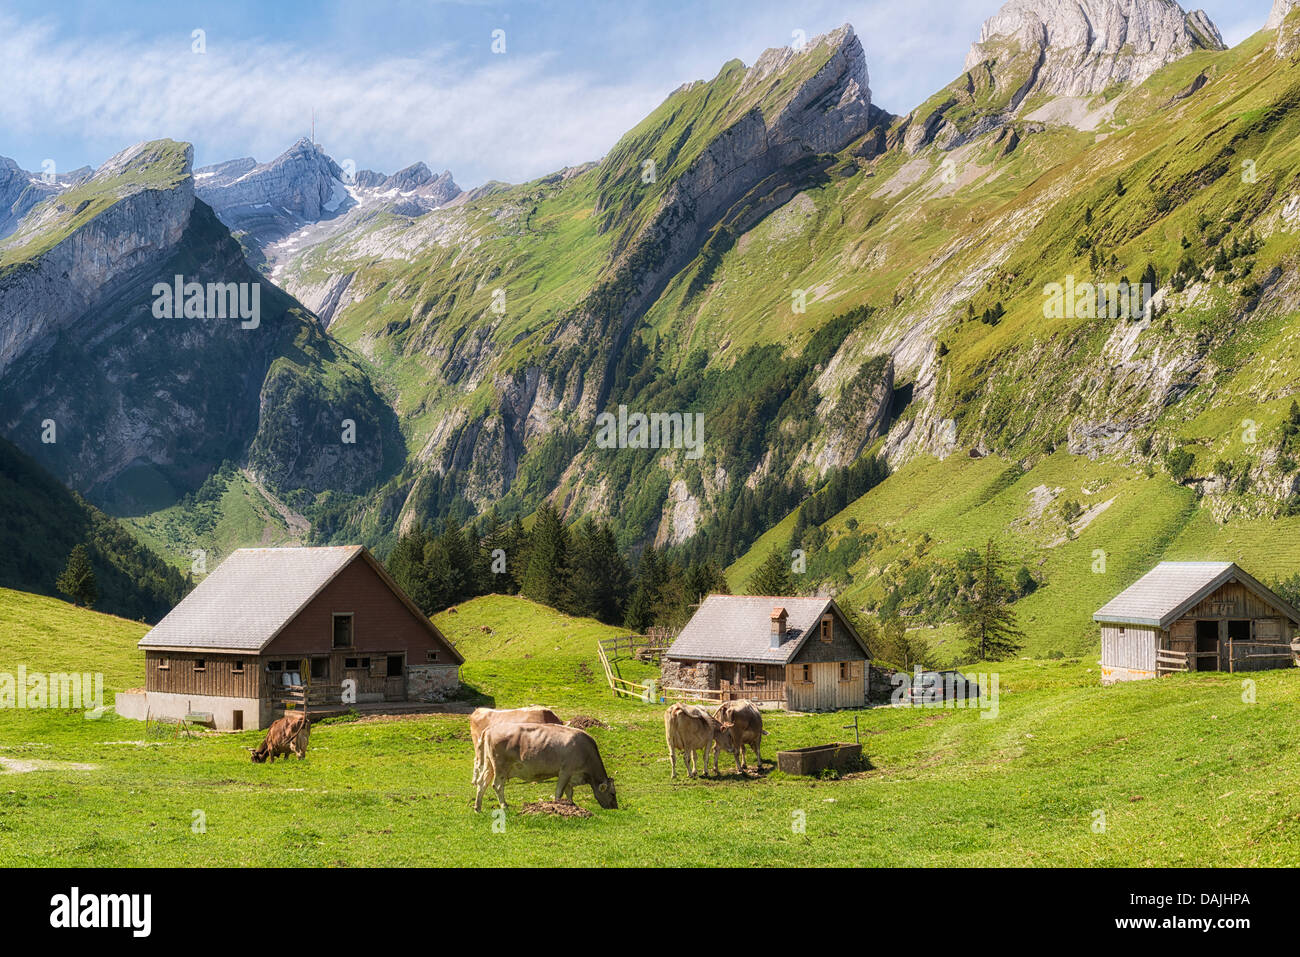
(251,596)
(1164,594)
(739,628)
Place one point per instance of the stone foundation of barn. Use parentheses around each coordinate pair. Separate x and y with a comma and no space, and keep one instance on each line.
(696,676)
(432,682)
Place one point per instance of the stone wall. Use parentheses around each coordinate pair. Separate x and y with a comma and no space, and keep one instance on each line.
(880,684)
(432,682)
(696,675)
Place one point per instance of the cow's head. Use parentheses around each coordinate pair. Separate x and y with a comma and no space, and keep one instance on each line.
(259,755)
(725,734)
(605,794)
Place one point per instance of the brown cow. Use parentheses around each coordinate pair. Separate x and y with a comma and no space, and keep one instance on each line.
(482,718)
(745,727)
(539,752)
(285,736)
(689,728)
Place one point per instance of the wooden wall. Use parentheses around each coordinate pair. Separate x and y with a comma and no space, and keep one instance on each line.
(825,691)
(1133,652)
(382,624)
(177,672)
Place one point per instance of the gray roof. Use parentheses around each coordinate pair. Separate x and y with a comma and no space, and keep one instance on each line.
(738,628)
(1164,594)
(249,598)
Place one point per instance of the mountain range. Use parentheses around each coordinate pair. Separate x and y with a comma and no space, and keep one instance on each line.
(824,280)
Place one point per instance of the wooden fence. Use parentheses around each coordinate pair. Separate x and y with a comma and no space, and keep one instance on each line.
(1242,656)
(610,650)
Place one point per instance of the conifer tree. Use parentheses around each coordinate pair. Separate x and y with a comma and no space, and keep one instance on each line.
(78,578)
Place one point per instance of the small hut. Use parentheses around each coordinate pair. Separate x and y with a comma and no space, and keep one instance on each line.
(1194,616)
(798,653)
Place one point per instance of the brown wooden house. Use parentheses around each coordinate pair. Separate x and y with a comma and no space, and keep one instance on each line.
(1194,616)
(798,653)
(324,627)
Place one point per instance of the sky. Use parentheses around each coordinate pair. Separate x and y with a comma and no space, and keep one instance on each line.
(393,82)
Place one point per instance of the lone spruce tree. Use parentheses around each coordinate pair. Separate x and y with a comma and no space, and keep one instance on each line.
(78,578)
(986,618)
(773,576)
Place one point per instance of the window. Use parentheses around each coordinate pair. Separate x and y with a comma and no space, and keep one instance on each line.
(430,655)
(200,664)
(846,671)
(320,668)
(1121,631)
(395,666)
(827,630)
(238,667)
(351,662)
(807,673)
(751,673)
(274,665)
(164,664)
(343,629)
(365,663)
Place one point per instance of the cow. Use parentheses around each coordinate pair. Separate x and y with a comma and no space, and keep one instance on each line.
(745,727)
(482,718)
(540,752)
(689,728)
(286,735)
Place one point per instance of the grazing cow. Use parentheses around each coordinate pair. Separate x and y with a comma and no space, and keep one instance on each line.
(540,752)
(689,728)
(286,735)
(745,724)
(482,718)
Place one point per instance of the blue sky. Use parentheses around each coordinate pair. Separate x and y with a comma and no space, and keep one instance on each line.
(396,81)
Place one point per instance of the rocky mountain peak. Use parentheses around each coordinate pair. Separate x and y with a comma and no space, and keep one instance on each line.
(1084,46)
(841,45)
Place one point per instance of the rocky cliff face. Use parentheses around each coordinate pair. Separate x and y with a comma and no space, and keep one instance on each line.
(1285,19)
(1080,47)
(143,400)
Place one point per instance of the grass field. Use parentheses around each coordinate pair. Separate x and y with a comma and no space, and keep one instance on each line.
(1184,771)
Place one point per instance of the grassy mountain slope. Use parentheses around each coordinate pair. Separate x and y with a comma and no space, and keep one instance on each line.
(890,246)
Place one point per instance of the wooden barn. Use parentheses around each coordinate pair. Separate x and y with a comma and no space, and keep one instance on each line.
(322,627)
(797,653)
(1194,616)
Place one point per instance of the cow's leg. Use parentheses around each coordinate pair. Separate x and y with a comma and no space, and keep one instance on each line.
(758,757)
(690,757)
(561,785)
(500,787)
(672,756)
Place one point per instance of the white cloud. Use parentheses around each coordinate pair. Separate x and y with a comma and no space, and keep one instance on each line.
(505,116)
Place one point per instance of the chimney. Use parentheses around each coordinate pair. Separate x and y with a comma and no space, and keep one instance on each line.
(778,626)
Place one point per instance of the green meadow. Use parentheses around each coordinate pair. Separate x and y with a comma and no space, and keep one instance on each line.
(1189,770)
